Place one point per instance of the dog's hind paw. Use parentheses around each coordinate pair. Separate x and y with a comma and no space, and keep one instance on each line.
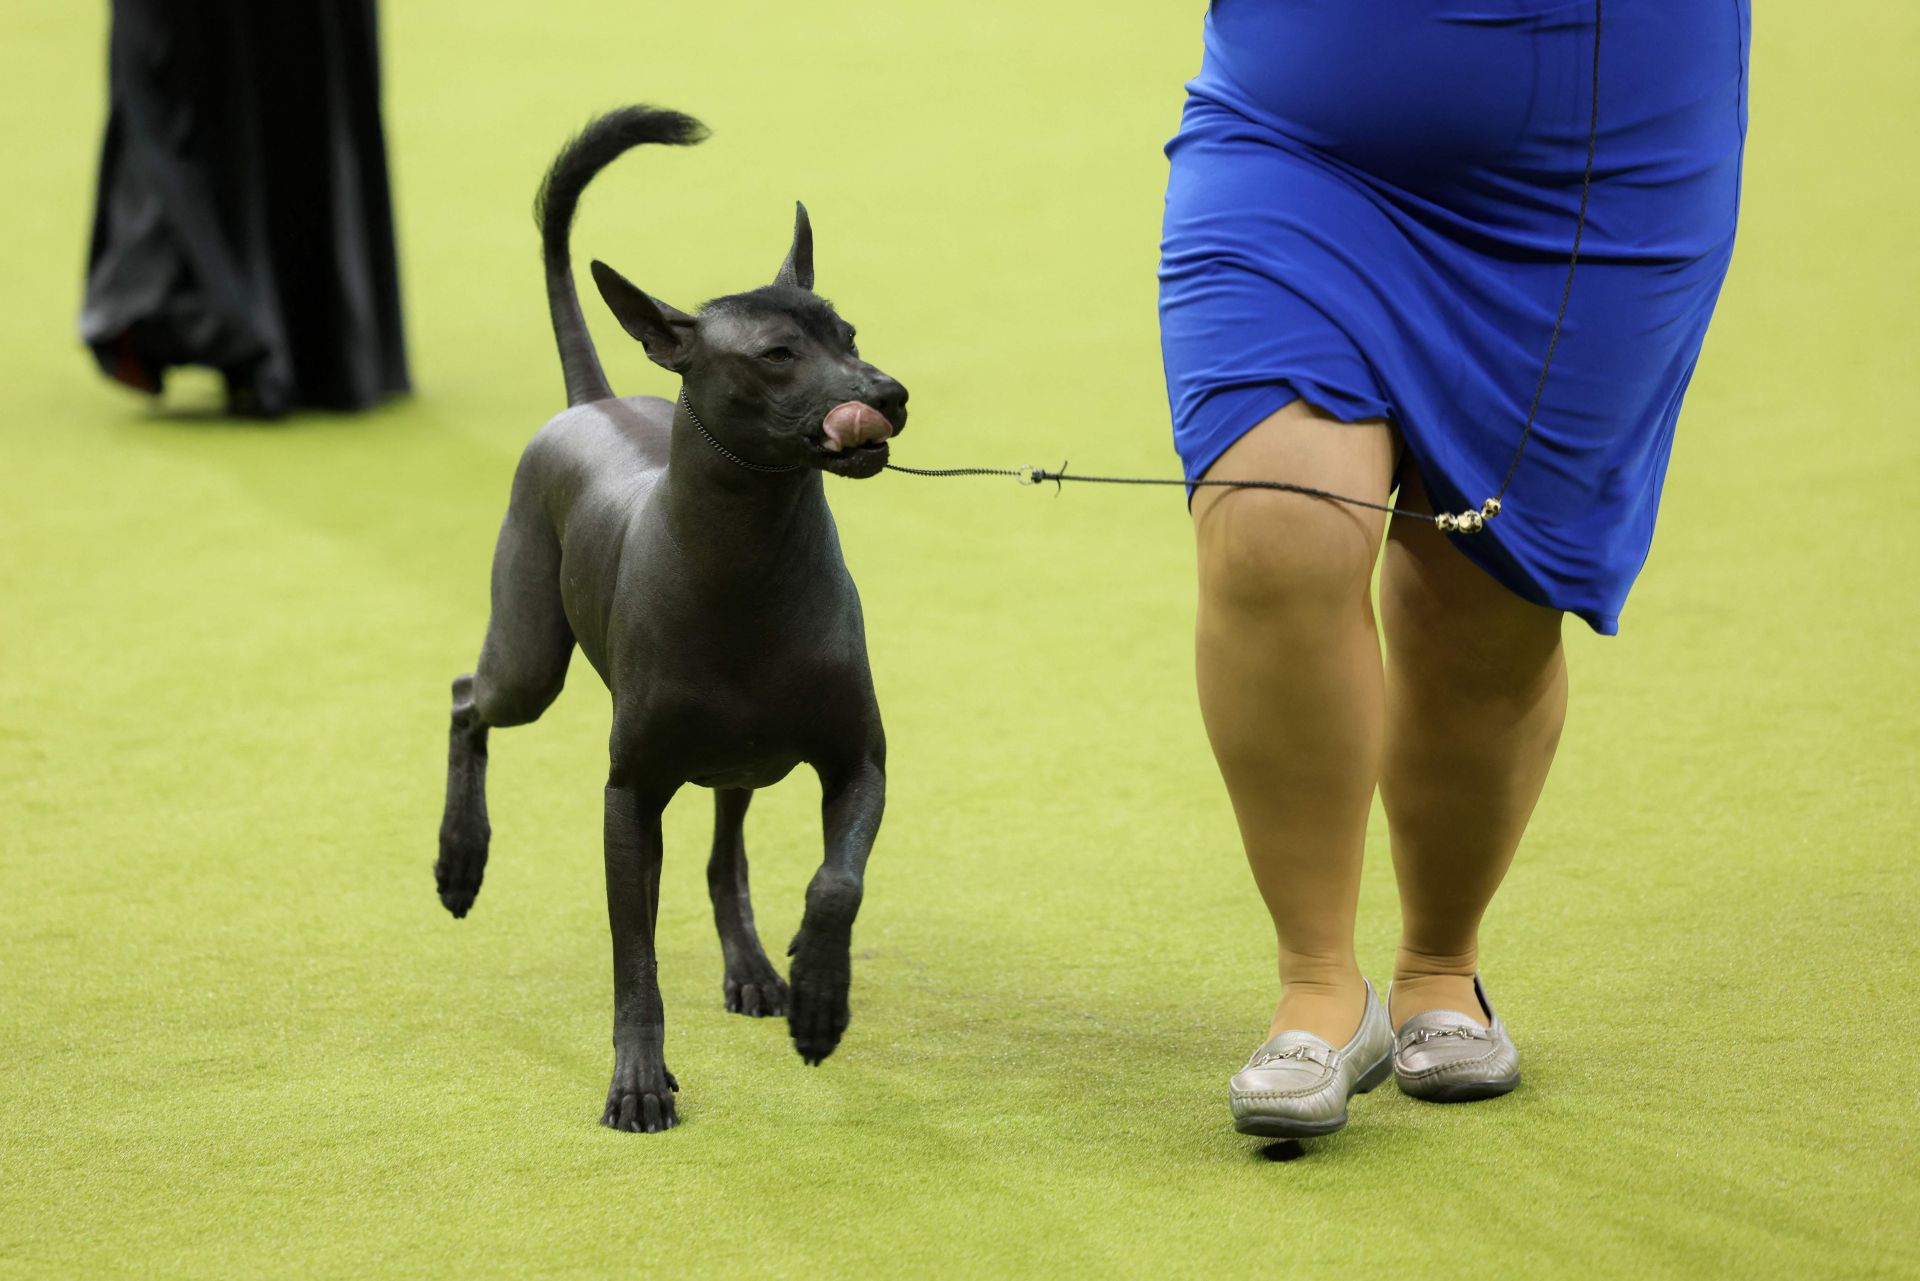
(817,1003)
(458,899)
(639,1106)
(458,881)
(462,863)
(758,996)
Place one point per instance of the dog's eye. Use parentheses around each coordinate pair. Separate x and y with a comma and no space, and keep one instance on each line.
(777,355)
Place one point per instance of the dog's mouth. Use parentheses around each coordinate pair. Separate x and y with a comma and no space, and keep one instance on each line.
(853,440)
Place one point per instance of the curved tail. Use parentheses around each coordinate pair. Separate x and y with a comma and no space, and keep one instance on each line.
(590,151)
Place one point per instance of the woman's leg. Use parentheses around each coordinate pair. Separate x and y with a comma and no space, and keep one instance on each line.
(1476,694)
(1290,687)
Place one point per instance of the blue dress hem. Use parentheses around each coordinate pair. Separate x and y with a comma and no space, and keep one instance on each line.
(1230,413)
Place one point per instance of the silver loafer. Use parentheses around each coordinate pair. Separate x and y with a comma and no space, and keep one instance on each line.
(1444,1056)
(1296,1086)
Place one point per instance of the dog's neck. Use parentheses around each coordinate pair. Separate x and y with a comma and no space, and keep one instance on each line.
(730,522)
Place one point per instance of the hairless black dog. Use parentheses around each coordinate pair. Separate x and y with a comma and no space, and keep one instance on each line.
(687,548)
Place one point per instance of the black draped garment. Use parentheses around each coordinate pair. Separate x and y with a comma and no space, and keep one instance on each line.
(243,219)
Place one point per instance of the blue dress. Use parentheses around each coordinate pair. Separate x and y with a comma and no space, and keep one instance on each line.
(1370,208)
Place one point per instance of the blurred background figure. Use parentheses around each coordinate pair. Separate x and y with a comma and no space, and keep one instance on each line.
(243,220)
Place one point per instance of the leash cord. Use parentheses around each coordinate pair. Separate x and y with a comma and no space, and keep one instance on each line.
(1573,258)
(1471,521)
(1043,475)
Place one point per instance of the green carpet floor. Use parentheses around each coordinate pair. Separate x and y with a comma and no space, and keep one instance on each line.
(239,1036)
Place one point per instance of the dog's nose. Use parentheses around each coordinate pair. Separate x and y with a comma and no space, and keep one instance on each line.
(890,398)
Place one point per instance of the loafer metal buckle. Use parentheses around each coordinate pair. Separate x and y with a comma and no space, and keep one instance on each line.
(1307,1053)
(1426,1034)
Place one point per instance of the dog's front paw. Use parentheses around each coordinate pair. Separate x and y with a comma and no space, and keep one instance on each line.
(758,993)
(641,1101)
(817,1003)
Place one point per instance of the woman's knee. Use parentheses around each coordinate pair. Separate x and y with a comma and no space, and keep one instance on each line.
(1447,619)
(1265,552)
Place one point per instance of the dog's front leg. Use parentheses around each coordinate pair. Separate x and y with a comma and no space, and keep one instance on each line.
(641,1095)
(823,949)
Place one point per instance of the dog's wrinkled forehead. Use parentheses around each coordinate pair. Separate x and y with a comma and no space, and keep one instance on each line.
(743,320)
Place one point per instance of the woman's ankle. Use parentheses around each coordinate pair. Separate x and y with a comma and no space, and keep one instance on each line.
(1424,981)
(1330,1007)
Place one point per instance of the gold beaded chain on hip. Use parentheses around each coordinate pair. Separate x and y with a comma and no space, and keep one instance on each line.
(1471,521)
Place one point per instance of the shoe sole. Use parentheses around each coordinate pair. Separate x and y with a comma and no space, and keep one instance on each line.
(1457,1091)
(1280,1127)
(1274,1127)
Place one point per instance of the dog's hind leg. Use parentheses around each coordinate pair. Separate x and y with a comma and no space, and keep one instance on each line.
(464,830)
(523,664)
(640,1097)
(752,986)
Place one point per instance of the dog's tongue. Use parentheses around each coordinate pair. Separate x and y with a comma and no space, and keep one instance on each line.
(854,424)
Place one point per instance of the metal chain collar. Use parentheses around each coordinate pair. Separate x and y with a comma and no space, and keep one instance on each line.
(721,449)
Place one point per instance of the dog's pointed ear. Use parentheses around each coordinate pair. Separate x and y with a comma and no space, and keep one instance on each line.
(798,268)
(665,332)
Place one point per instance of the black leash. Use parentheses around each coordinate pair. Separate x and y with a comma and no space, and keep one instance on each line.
(1043,475)
(1471,521)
